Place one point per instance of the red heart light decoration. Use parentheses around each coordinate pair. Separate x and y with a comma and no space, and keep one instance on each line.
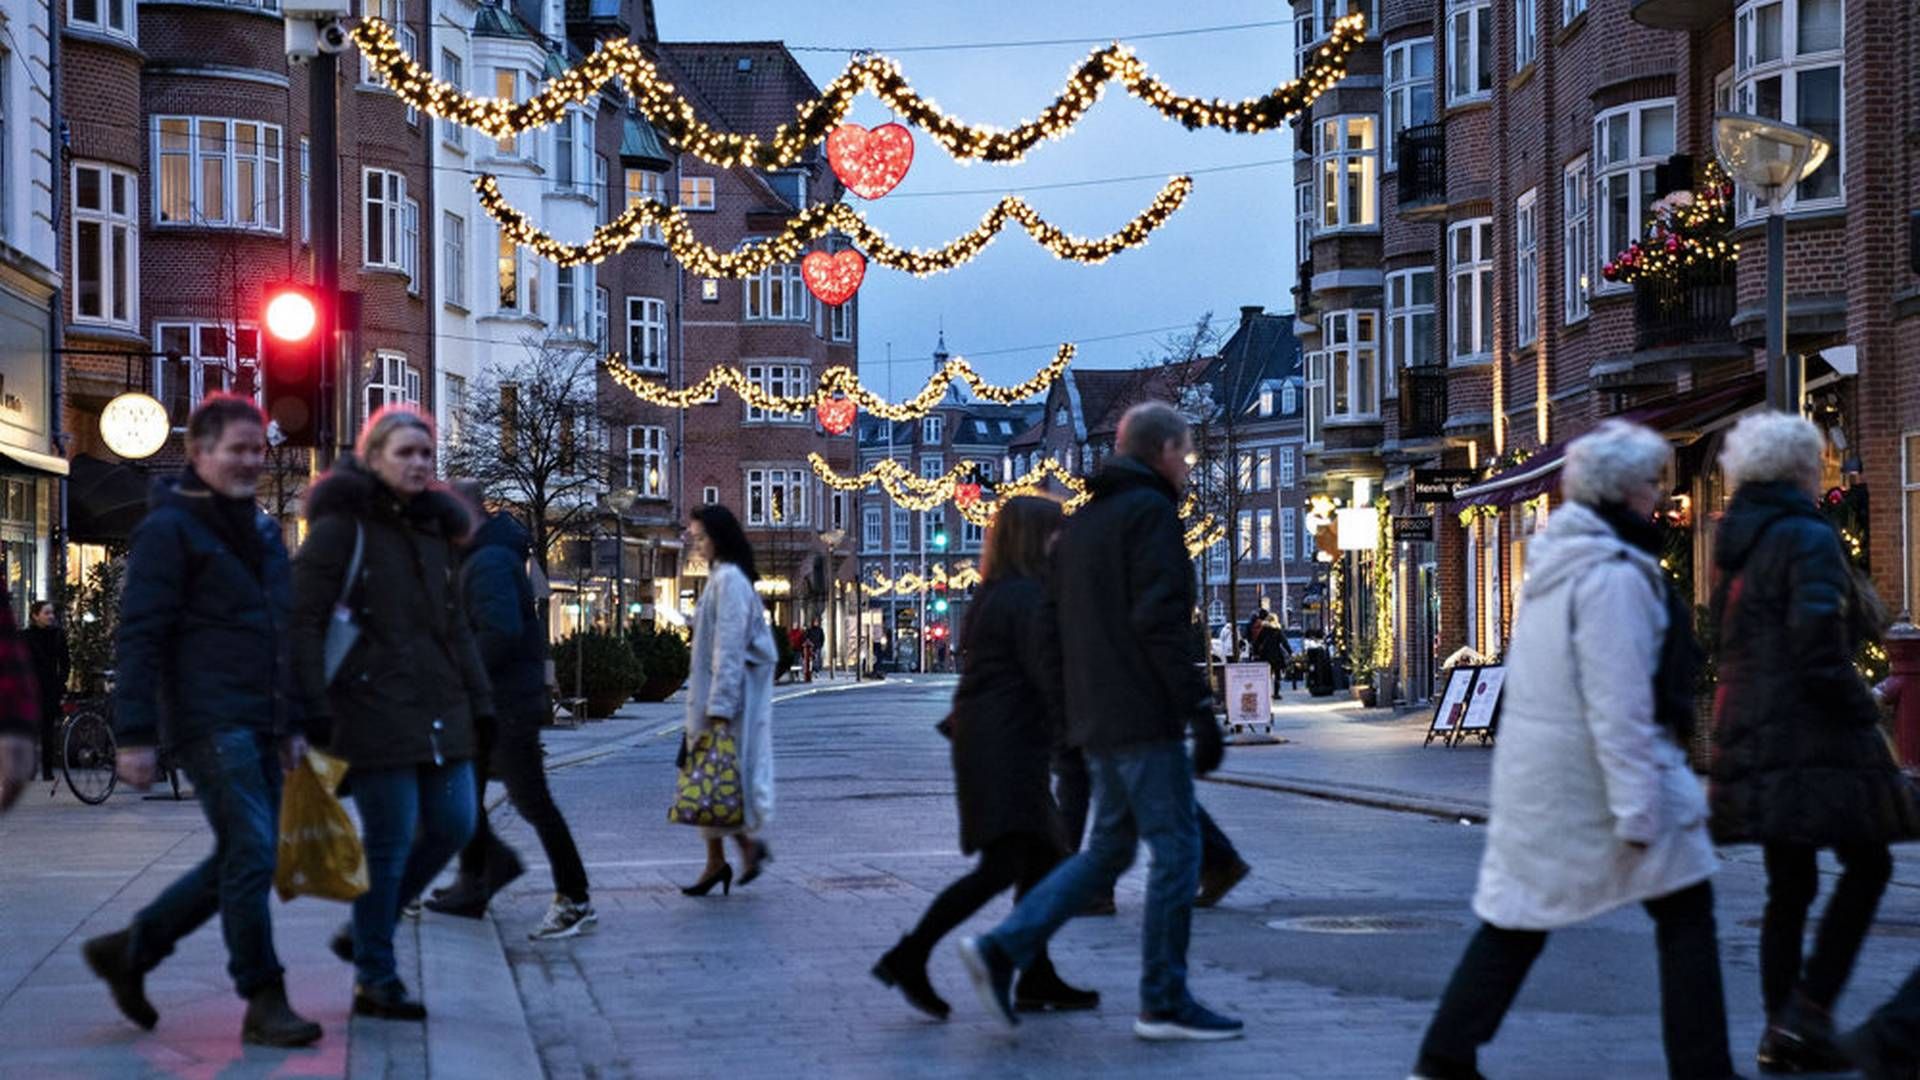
(836,414)
(870,163)
(834,278)
(966,494)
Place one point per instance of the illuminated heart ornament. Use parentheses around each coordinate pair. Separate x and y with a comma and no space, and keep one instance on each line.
(836,414)
(833,279)
(870,163)
(965,495)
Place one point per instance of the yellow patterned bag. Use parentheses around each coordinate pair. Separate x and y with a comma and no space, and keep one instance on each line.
(709,792)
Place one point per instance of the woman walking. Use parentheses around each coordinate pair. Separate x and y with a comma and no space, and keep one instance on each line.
(51,663)
(1593,804)
(731,683)
(1003,726)
(403,705)
(1800,763)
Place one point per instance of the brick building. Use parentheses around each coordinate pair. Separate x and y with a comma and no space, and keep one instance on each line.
(1520,146)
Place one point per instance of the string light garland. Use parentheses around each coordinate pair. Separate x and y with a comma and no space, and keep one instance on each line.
(912,584)
(839,383)
(1689,233)
(672,116)
(818,221)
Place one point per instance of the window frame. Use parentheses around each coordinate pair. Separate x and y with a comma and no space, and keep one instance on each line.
(267,189)
(641,185)
(1526,268)
(394,379)
(1576,240)
(933,430)
(1526,36)
(453,70)
(652,448)
(1314,364)
(1478,16)
(1406,332)
(640,320)
(1402,86)
(1635,170)
(1479,271)
(102,23)
(763,484)
(1346,354)
(198,360)
(781,378)
(698,194)
(126,276)
(383,194)
(453,259)
(782,282)
(1791,67)
(1341,162)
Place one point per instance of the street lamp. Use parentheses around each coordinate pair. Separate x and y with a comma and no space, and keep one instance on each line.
(620,500)
(831,538)
(1769,158)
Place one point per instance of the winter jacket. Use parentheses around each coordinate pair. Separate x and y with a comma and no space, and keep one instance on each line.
(731,678)
(202,643)
(506,624)
(51,660)
(1124,597)
(1003,728)
(413,685)
(1583,770)
(1799,757)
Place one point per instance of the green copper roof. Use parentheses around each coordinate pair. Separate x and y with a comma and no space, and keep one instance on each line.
(641,147)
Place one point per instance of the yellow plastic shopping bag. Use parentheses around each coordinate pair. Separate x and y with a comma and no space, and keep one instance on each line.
(320,853)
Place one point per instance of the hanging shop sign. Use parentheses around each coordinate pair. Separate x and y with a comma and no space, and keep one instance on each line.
(1439,485)
(1417,529)
(134,425)
(1357,528)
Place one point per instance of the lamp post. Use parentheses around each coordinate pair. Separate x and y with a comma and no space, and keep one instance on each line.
(1769,158)
(831,538)
(620,500)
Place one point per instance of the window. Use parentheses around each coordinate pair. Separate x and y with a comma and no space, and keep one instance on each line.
(840,320)
(902,530)
(1629,143)
(696,193)
(1289,531)
(971,535)
(1265,407)
(647,461)
(1217,568)
(598,322)
(1305,41)
(384,193)
(1347,162)
(410,45)
(1409,90)
(506,87)
(1263,546)
(1410,320)
(1352,365)
(870,526)
(933,523)
(1571,10)
(1526,269)
(509,421)
(779,380)
(1303,214)
(932,467)
(1316,368)
(217,172)
(602,194)
(508,265)
(933,430)
(1243,480)
(1243,536)
(1289,400)
(1469,50)
(113,17)
(777,497)
(530,270)
(1286,467)
(710,496)
(1576,249)
(572,150)
(777,294)
(1788,66)
(211,357)
(642,186)
(1526,32)
(453,259)
(453,399)
(106,267)
(410,243)
(393,13)
(394,382)
(453,71)
(1263,470)
(306,191)
(567,320)
(1470,289)
(647,334)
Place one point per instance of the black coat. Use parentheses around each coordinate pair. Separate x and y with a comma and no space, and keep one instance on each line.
(51,660)
(506,623)
(1003,729)
(1799,754)
(202,639)
(413,686)
(1124,592)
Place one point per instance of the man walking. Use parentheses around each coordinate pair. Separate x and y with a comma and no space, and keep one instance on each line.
(203,670)
(1132,686)
(48,645)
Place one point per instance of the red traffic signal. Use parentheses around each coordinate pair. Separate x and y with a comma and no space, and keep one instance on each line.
(939,631)
(293,350)
(292,314)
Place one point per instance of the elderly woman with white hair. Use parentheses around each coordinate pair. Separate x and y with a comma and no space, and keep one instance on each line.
(1593,804)
(1799,762)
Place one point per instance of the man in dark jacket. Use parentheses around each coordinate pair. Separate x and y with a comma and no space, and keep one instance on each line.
(1130,687)
(513,645)
(203,669)
(48,644)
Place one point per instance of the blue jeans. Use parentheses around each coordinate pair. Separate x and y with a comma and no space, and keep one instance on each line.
(236,778)
(1139,793)
(413,821)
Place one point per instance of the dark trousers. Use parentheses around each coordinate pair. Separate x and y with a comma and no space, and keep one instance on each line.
(1017,860)
(515,756)
(1693,1009)
(1793,882)
(1895,1026)
(413,820)
(236,778)
(1073,791)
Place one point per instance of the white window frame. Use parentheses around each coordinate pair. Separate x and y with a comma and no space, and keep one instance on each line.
(410,244)
(647,334)
(698,194)
(777,294)
(394,381)
(1571,10)
(1633,172)
(383,195)
(647,460)
(1263,469)
(840,319)
(642,185)
(507,274)
(506,86)
(1526,33)
(785,485)
(599,316)
(106,13)
(453,70)
(119,277)
(1314,364)
(1352,356)
(1405,83)
(782,379)
(1411,324)
(1243,536)
(872,528)
(453,405)
(1909,520)
(1470,280)
(1289,399)
(1791,68)
(265,203)
(306,190)
(1526,268)
(1576,241)
(1287,475)
(573,154)
(1306,209)
(198,360)
(1263,535)
(902,530)
(1338,163)
(932,466)
(1469,27)
(933,430)
(453,259)
(1289,533)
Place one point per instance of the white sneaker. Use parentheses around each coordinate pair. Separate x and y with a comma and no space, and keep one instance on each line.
(565,919)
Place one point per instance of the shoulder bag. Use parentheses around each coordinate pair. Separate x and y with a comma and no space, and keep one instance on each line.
(342,630)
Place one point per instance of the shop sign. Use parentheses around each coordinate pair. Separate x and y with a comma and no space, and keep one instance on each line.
(1414,530)
(1439,485)
(134,425)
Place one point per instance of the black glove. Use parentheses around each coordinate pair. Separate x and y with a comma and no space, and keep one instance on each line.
(1209,748)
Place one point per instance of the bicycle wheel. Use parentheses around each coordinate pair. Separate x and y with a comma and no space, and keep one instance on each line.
(88,751)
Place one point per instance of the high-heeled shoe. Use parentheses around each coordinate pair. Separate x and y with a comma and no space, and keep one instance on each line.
(722,877)
(761,856)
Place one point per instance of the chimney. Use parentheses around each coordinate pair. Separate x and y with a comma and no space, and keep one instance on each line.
(1248,311)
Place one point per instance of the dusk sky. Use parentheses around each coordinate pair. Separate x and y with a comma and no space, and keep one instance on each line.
(1231,244)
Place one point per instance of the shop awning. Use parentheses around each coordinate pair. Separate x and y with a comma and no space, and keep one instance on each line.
(105,500)
(15,460)
(1683,417)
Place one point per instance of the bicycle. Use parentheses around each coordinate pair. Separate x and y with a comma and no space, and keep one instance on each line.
(89,753)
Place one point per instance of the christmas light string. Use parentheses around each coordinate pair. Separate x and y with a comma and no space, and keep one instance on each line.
(1685,230)
(673,117)
(912,584)
(818,221)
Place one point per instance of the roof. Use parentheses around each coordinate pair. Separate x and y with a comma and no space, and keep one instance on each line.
(640,145)
(751,87)
(499,22)
(1260,352)
(1106,395)
(1032,436)
(1005,423)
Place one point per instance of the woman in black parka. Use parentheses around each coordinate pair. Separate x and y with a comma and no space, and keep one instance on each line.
(403,706)
(1003,726)
(1800,763)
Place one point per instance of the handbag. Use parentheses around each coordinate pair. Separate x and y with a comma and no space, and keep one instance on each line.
(709,792)
(342,630)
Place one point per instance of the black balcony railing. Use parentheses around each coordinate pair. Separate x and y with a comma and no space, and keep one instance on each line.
(1423,402)
(1303,289)
(1698,311)
(1422,161)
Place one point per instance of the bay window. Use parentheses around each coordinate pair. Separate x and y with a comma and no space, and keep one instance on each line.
(1470,288)
(1469,50)
(394,382)
(1410,320)
(1789,66)
(1409,91)
(642,186)
(777,497)
(778,380)
(777,294)
(1347,160)
(106,265)
(1576,242)
(1316,368)
(453,71)
(1629,143)
(1303,214)
(1352,364)
(506,87)
(507,267)
(114,18)
(217,172)
(1526,32)
(1526,269)
(202,358)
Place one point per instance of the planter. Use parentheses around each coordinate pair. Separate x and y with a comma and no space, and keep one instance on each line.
(659,689)
(1366,695)
(603,704)
(1386,686)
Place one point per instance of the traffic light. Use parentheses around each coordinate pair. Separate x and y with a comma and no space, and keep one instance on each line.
(292,353)
(938,631)
(939,605)
(940,538)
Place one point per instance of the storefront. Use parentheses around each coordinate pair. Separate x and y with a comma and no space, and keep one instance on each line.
(30,463)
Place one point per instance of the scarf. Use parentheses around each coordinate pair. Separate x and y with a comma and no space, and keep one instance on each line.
(231,519)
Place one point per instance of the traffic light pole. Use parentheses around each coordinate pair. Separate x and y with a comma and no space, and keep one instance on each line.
(323,116)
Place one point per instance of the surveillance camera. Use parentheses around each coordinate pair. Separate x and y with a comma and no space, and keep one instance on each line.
(334,37)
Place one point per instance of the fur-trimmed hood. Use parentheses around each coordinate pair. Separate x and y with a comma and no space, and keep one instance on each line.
(349,488)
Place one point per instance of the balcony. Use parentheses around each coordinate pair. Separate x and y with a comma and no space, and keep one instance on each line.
(1423,403)
(1680,14)
(1682,314)
(1422,156)
(1303,290)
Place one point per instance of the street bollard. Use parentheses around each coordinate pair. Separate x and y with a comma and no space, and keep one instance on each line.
(1903,655)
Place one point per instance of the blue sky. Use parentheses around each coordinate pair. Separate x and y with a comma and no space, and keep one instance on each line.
(1230,245)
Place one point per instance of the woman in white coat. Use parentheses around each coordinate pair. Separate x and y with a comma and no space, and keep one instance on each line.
(731,682)
(1593,804)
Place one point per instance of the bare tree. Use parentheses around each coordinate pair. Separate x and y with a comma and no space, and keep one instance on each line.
(529,434)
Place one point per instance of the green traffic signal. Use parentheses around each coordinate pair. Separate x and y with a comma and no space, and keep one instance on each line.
(940,539)
(940,606)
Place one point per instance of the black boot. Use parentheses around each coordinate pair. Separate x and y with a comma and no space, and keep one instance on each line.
(1216,884)
(1041,989)
(389,1001)
(272,1022)
(342,943)
(906,970)
(1801,1040)
(111,958)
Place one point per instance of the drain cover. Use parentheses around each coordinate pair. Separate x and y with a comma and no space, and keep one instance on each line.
(1362,924)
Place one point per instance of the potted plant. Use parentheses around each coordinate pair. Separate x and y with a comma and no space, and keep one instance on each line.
(603,668)
(92,619)
(663,652)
